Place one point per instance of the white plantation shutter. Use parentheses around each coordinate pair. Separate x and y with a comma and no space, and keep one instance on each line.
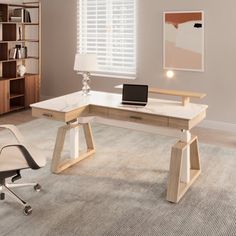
(108,29)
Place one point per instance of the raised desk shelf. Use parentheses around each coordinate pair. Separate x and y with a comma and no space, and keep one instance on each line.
(185,95)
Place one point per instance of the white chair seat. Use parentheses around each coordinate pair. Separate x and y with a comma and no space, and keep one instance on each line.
(11,158)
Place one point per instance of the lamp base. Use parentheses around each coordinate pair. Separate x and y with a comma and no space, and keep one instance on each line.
(86,80)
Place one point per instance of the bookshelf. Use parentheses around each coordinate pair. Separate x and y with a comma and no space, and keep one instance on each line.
(22,31)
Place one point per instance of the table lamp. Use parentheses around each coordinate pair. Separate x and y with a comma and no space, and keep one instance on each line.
(85,64)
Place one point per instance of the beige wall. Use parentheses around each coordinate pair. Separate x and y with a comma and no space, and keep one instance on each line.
(218,80)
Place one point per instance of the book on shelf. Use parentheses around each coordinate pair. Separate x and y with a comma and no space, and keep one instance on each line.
(23,52)
(18,52)
(12,54)
(23,14)
(19,33)
(15,19)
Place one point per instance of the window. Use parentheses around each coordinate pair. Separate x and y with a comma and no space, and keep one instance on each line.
(108,29)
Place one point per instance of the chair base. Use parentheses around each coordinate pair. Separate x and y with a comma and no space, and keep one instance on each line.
(5,188)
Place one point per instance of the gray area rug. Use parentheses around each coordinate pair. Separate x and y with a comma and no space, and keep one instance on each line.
(121,190)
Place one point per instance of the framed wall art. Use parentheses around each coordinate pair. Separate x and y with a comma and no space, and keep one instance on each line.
(184,40)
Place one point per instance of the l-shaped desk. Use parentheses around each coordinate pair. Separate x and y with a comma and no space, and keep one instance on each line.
(76,109)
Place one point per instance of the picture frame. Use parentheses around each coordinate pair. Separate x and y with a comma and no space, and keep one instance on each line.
(183,40)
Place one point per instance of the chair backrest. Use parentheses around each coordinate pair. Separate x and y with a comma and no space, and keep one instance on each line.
(19,154)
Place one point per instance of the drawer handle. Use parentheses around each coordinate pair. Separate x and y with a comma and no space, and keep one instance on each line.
(48,115)
(136,117)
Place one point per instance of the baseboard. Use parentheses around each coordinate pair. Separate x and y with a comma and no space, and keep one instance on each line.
(218,125)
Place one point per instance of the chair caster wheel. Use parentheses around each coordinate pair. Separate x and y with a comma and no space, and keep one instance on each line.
(37,188)
(2,196)
(28,210)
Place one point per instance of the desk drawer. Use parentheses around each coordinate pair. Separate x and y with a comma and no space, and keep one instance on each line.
(73,115)
(43,113)
(98,111)
(138,117)
(178,123)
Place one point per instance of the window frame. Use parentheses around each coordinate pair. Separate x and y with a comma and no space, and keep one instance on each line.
(106,73)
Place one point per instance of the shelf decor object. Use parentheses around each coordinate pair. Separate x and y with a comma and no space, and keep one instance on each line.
(21,70)
(20,52)
(183,47)
(85,64)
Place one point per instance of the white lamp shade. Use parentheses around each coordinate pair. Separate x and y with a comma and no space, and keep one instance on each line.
(85,62)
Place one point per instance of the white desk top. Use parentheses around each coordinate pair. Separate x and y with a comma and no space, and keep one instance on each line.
(162,107)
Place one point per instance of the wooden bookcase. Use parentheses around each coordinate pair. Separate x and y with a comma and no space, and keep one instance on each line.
(18,92)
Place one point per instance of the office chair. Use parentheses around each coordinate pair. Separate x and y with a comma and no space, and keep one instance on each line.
(14,158)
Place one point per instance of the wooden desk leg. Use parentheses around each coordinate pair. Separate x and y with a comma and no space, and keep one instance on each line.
(58,165)
(176,188)
(185,100)
(74,142)
(88,136)
(185,173)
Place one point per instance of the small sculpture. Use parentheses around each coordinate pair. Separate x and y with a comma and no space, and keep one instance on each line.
(21,70)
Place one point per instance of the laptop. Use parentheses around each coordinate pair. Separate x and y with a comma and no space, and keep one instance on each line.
(135,94)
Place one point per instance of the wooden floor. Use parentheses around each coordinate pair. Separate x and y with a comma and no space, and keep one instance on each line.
(16,118)
(210,136)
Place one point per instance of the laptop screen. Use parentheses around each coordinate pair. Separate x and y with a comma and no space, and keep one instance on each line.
(134,93)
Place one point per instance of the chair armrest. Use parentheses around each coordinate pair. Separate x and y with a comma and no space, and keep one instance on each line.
(14,131)
(29,159)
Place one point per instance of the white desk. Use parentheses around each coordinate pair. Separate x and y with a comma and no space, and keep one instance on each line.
(74,107)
